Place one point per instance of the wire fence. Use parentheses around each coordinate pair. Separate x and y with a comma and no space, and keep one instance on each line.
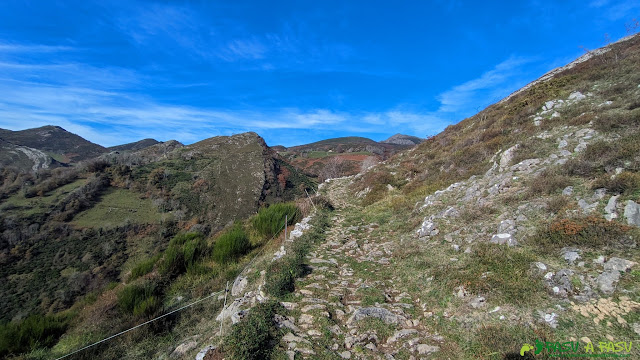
(181,308)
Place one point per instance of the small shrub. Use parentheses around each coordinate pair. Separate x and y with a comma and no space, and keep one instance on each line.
(139,299)
(322,202)
(34,332)
(505,341)
(147,307)
(623,183)
(578,167)
(376,180)
(502,270)
(112,285)
(280,279)
(616,120)
(231,245)
(256,335)
(548,182)
(591,231)
(173,261)
(558,203)
(471,214)
(270,220)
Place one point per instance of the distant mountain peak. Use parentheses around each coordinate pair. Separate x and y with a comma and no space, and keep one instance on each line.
(137,145)
(401,139)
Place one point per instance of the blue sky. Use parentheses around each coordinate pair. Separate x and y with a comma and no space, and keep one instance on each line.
(294,72)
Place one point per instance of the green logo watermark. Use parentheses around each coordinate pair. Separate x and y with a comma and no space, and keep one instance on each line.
(611,349)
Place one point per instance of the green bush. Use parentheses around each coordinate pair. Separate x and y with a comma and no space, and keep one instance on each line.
(256,335)
(143,267)
(231,245)
(183,253)
(182,239)
(270,220)
(139,299)
(147,307)
(34,332)
(173,262)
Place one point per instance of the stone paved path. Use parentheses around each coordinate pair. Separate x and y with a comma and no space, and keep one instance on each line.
(342,312)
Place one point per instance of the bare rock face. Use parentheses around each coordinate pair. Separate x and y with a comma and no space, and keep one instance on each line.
(239,285)
(504,238)
(607,281)
(610,209)
(632,213)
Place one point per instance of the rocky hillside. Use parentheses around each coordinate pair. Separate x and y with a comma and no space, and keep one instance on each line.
(44,147)
(78,229)
(344,156)
(519,225)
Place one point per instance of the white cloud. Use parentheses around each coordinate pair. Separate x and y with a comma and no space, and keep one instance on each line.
(485,88)
(251,49)
(103,117)
(31,48)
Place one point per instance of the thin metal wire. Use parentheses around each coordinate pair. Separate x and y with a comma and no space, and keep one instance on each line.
(173,311)
(144,323)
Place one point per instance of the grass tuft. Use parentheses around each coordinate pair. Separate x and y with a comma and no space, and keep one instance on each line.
(231,245)
(270,220)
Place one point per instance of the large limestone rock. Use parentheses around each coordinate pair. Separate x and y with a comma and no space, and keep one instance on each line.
(632,213)
(375,312)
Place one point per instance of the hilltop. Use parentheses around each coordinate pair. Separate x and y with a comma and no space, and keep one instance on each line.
(343,156)
(400,139)
(44,147)
(137,145)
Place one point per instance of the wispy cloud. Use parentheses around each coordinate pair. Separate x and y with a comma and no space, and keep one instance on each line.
(252,49)
(98,104)
(622,10)
(111,117)
(182,30)
(6,48)
(489,87)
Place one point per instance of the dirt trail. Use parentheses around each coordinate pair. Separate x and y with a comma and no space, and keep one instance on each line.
(342,312)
